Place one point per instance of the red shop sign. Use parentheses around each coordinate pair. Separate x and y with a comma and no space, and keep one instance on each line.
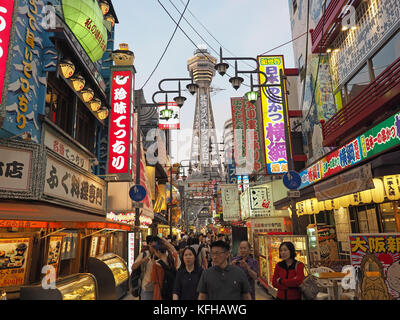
(6,13)
(120,122)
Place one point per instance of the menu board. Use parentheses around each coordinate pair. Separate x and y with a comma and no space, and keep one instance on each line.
(14,255)
(102,245)
(54,251)
(70,245)
(93,246)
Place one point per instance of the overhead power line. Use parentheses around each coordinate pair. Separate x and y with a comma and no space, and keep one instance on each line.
(166,48)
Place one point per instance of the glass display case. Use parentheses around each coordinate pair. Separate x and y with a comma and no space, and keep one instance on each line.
(112,275)
(81,286)
(269,254)
(322,242)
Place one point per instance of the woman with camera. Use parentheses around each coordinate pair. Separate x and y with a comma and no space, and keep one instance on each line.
(164,270)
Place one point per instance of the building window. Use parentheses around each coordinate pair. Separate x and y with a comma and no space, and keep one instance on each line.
(359,81)
(85,127)
(386,55)
(60,100)
(364,219)
(388,216)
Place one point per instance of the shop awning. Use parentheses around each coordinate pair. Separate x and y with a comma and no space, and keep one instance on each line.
(39,215)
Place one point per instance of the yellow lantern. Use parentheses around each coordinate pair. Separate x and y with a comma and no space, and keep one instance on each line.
(378,193)
(87,94)
(311,206)
(104,6)
(95,104)
(354,199)
(328,205)
(335,203)
(344,201)
(365,196)
(67,68)
(300,208)
(102,114)
(110,18)
(78,82)
(392,190)
(321,206)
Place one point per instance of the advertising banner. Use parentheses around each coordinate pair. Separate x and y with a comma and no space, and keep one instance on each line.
(377,258)
(14,255)
(6,13)
(273,115)
(33,55)
(378,139)
(120,124)
(247,136)
(169,118)
(230,202)
(75,188)
(261,204)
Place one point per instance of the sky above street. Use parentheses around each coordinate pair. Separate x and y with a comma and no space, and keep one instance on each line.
(246,28)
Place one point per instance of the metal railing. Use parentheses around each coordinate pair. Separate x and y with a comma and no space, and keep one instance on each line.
(384,89)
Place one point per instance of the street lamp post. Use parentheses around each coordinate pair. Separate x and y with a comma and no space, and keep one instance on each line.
(180,100)
(252,97)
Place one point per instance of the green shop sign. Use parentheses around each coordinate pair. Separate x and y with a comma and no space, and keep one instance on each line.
(376,140)
(85,20)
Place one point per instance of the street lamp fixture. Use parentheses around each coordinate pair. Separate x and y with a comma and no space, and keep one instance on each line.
(192,88)
(78,82)
(95,104)
(104,6)
(102,114)
(87,94)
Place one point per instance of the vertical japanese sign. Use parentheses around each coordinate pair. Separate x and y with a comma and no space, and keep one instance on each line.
(54,251)
(131,250)
(169,118)
(377,257)
(247,135)
(6,13)
(14,255)
(273,115)
(120,123)
(230,202)
(33,55)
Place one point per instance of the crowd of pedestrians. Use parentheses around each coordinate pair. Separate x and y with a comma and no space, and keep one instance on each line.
(201,267)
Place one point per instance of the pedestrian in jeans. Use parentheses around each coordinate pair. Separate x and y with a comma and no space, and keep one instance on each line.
(146,260)
(188,277)
(248,265)
(223,281)
(164,270)
(288,274)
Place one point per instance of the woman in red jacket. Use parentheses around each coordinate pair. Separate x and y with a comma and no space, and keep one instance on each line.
(288,274)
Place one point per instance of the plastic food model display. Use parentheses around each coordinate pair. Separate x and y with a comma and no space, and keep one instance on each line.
(83,289)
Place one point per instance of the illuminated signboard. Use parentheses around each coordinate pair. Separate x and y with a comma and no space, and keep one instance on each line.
(380,138)
(85,20)
(119,161)
(6,12)
(169,118)
(273,115)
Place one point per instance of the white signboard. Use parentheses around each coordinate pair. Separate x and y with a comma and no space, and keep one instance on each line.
(131,250)
(169,118)
(66,183)
(66,150)
(230,202)
(15,169)
(261,204)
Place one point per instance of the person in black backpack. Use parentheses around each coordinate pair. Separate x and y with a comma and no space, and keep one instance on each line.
(164,270)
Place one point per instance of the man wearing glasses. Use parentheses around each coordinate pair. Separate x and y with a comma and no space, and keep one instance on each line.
(223,281)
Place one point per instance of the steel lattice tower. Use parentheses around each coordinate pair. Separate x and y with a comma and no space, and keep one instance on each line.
(204,139)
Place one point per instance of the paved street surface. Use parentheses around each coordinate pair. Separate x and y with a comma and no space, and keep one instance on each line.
(261,294)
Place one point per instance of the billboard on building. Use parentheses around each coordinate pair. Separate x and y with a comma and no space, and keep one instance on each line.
(169,117)
(273,115)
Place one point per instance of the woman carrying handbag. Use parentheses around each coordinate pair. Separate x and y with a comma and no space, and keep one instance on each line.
(288,274)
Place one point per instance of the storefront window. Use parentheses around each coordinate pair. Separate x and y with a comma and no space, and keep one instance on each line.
(85,127)
(357,83)
(388,217)
(387,55)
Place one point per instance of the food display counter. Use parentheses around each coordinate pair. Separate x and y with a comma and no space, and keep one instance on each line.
(81,286)
(267,251)
(112,275)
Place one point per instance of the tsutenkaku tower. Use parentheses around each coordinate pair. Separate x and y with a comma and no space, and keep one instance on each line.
(204,139)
